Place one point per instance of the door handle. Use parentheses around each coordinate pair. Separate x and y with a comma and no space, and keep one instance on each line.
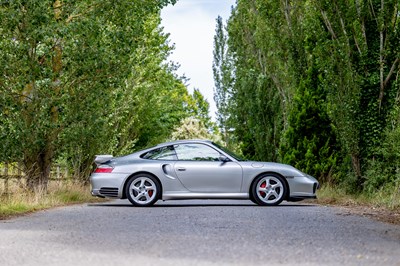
(181,169)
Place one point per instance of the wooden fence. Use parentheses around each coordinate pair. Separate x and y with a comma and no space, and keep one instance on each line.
(12,174)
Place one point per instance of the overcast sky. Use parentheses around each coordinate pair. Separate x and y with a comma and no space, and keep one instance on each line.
(191,24)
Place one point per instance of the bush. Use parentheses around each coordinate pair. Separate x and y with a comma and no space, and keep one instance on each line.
(384,169)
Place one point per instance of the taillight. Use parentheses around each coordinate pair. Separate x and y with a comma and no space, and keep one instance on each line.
(104,169)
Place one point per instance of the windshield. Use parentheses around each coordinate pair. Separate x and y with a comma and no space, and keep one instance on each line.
(230,153)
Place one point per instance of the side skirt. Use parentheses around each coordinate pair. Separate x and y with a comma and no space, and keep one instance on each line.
(185,195)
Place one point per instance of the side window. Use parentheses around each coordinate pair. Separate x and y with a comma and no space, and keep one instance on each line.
(164,153)
(196,152)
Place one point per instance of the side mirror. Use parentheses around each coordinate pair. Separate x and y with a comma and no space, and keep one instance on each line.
(224,159)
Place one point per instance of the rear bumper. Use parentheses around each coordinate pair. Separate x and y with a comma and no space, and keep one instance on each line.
(96,193)
(107,184)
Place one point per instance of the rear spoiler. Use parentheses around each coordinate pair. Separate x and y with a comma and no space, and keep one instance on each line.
(102,158)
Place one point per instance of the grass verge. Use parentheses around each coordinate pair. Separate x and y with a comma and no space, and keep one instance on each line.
(382,205)
(20,201)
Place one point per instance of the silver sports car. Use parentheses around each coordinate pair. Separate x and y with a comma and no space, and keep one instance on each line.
(197,169)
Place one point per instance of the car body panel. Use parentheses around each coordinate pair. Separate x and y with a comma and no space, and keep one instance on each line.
(228,178)
(224,177)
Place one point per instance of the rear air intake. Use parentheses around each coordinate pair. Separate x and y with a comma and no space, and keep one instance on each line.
(109,191)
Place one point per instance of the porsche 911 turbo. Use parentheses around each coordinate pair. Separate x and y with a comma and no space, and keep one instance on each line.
(197,169)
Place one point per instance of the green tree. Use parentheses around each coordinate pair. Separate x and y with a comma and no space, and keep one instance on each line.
(360,59)
(309,143)
(192,128)
(64,64)
(223,71)
(154,99)
(201,109)
(261,92)
(311,65)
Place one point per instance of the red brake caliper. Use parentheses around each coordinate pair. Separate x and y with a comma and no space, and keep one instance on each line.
(150,192)
(263,185)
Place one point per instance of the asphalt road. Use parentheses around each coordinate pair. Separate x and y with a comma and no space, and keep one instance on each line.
(197,233)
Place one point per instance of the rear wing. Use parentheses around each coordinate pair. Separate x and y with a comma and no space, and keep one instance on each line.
(99,159)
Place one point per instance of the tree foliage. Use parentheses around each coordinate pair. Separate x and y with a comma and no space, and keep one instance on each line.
(360,66)
(315,84)
(192,128)
(80,78)
(259,92)
(223,79)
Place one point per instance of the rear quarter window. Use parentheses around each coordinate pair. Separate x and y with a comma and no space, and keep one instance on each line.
(163,153)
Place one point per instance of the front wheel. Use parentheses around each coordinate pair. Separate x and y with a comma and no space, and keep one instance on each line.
(269,190)
(143,190)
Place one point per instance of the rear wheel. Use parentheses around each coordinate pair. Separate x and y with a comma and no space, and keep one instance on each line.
(269,190)
(143,190)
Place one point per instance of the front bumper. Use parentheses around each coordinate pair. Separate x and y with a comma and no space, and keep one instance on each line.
(303,187)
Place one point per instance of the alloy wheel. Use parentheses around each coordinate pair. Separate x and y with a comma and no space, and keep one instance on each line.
(270,190)
(142,191)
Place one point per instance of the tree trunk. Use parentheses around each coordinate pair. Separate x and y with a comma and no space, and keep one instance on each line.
(37,170)
(356,163)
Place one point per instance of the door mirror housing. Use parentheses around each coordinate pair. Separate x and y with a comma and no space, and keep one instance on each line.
(224,159)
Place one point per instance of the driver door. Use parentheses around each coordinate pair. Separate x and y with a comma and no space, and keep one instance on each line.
(199,169)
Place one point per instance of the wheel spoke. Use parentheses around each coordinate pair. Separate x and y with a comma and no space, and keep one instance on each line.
(135,188)
(275,186)
(262,189)
(142,181)
(273,193)
(151,187)
(148,198)
(268,195)
(138,197)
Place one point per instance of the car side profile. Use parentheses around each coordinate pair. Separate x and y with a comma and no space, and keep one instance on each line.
(197,169)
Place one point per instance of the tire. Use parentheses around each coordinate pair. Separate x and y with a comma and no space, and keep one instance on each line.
(252,198)
(269,190)
(143,190)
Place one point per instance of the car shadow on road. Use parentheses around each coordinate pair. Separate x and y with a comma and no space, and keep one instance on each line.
(197,204)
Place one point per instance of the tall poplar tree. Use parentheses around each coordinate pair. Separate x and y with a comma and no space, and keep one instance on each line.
(223,71)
